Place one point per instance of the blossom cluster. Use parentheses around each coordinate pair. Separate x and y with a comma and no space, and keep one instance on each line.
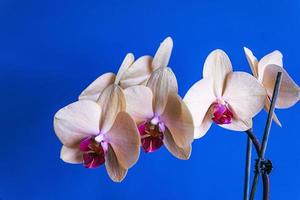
(139,107)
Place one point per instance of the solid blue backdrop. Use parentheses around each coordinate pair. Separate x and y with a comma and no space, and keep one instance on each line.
(51,50)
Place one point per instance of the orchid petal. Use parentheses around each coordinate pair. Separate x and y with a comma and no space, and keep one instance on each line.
(127,62)
(124,139)
(198,99)
(138,73)
(267,108)
(139,103)
(238,125)
(244,94)
(289,90)
(201,129)
(217,65)
(115,171)
(178,152)
(274,58)
(163,54)
(71,155)
(178,119)
(112,101)
(93,91)
(252,60)
(162,82)
(77,121)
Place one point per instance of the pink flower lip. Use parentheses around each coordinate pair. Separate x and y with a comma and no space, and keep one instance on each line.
(221,113)
(93,152)
(152,135)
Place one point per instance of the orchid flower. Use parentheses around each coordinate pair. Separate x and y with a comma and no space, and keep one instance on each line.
(161,115)
(265,71)
(230,99)
(94,90)
(140,71)
(96,129)
(131,72)
(94,136)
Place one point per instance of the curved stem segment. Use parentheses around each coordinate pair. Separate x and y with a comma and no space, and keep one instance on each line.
(266,186)
(254,140)
(266,179)
(247,168)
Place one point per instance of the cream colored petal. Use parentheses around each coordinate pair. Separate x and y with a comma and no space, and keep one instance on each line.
(198,99)
(274,58)
(244,94)
(289,90)
(115,171)
(162,82)
(125,140)
(163,54)
(139,103)
(93,91)
(127,62)
(217,65)
(252,60)
(178,119)
(77,121)
(238,125)
(71,155)
(138,73)
(178,152)
(112,101)
(267,108)
(201,129)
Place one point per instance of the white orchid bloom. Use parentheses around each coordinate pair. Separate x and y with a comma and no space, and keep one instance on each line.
(266,71)
(230,99)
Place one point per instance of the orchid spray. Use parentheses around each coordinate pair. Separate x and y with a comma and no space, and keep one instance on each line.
(139,107)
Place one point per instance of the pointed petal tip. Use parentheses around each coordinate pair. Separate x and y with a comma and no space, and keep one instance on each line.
(247,50)
(125,65)
(114,170)
(278,52)
(182,153)
(218,51)
(279,124)
(276,120)
(163,53)
(129,55)
(168,39)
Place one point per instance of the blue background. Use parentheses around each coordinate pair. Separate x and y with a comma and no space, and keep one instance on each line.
(51,50)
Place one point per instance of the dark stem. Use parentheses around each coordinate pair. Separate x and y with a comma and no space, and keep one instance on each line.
(254,140)
(247,168)
(266,184)
(270,115)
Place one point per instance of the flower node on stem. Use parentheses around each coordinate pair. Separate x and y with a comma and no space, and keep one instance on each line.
(263,166)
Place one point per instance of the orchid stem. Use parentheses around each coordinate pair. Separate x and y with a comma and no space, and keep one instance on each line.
(247,168)
(270,115)
(254,140)
(266,184)
(266,181)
